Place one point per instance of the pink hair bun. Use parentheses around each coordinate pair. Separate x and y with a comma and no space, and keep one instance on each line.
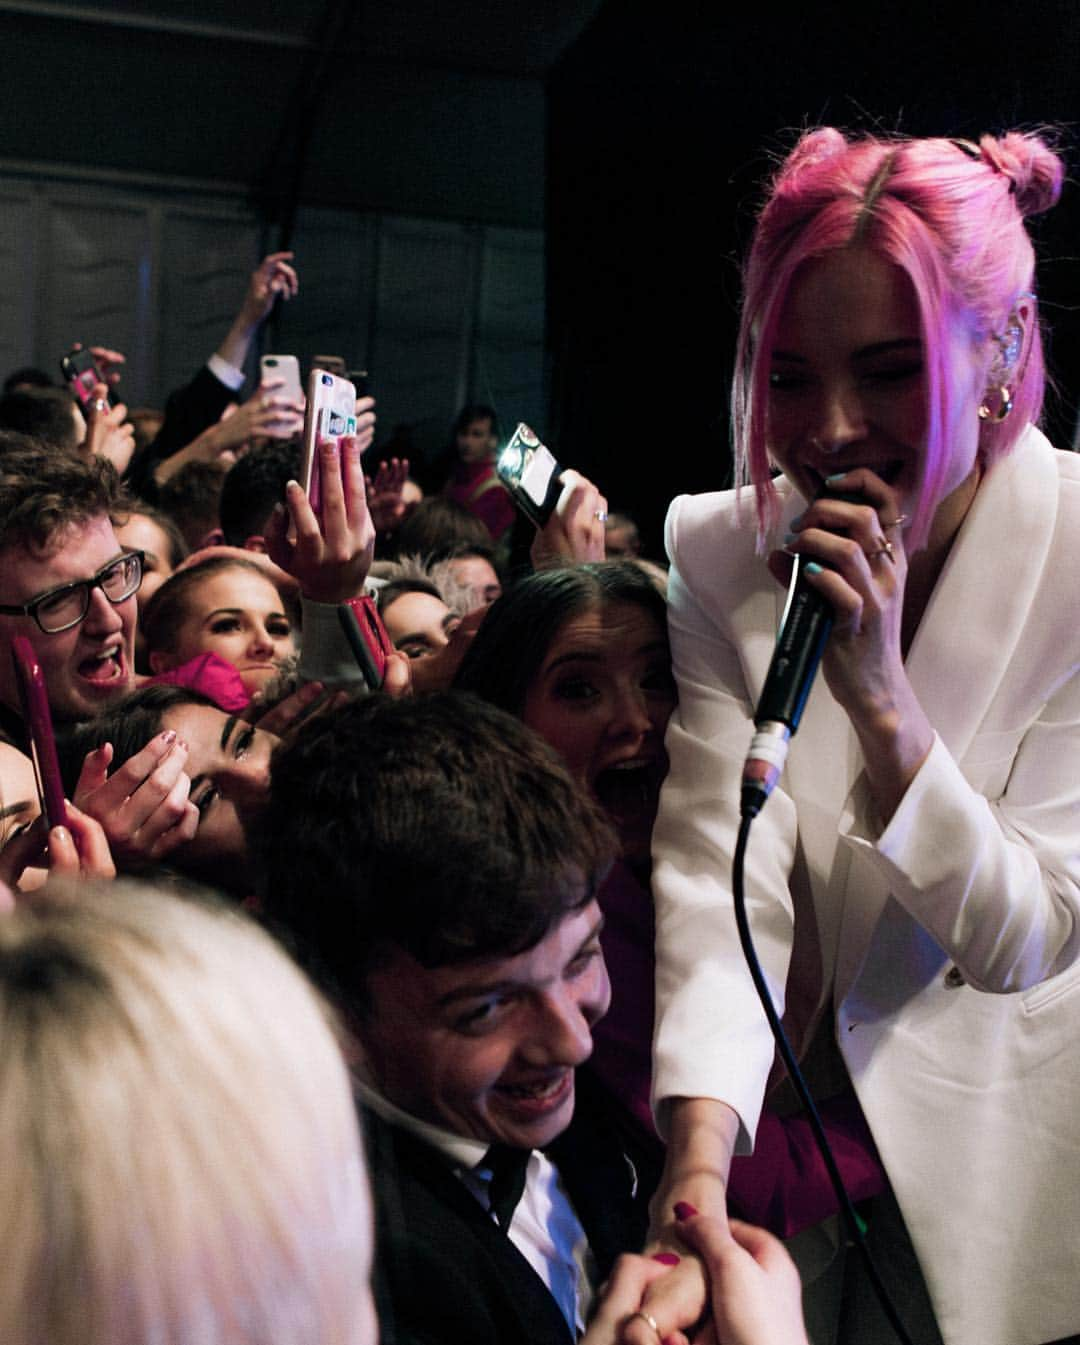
(1035,170)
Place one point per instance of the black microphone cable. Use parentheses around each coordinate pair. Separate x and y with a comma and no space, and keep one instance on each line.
(751,806)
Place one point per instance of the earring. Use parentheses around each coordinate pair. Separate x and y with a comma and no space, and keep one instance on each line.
(1004,409)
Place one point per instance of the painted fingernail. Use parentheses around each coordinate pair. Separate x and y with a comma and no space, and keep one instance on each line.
(836,476)
(812,567)
(684,1210)
(168,737)
(796,522)
(667,1258)
(790,537)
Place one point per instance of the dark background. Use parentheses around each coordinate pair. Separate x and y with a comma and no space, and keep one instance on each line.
(636,134)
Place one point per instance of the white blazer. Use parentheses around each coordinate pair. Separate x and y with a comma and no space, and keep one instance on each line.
(949,940)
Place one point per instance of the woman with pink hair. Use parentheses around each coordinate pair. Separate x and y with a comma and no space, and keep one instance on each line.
(913,884)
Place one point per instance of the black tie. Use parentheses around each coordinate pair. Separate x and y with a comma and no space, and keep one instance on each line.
(507,1167)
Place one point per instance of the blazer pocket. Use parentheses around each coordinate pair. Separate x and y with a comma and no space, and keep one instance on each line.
(1058,987)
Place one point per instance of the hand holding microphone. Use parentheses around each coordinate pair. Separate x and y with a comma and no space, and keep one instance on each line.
(853,542)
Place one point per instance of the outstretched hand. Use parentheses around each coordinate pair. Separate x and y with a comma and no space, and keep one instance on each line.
(272,277)
(385,494)
(329,553)
(755,1289)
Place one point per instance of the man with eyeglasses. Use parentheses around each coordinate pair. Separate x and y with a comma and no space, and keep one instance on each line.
(68,585)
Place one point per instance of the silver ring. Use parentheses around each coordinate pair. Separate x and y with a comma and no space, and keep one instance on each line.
(600,515)
(100,405)
(649,1318)
(885,549)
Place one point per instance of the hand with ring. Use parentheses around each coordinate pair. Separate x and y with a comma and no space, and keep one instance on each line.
(854,556)
(575,530)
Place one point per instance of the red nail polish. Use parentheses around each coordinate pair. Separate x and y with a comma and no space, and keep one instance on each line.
(667,1258)
(684,1210)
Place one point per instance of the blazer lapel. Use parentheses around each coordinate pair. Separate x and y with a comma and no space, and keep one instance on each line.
(975,619)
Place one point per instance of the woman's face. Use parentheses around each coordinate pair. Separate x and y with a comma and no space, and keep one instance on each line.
(238,615)
(141,533)
(602,698)
(848,383)
(229,766)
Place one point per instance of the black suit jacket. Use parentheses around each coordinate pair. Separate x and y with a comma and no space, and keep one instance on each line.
(445,1274)
(188,411)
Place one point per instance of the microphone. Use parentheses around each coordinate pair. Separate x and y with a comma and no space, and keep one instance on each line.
(800,643)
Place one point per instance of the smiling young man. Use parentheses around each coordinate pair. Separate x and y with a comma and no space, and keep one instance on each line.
(435,867)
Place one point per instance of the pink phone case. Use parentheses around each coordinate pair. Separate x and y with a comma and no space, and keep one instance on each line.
(35,704)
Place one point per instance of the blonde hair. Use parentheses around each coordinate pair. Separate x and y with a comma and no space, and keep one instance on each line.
(179,1153)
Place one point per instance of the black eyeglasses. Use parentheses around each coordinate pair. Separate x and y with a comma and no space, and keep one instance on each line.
(64,607)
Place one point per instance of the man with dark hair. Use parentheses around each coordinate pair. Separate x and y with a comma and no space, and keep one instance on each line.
(48,414)
(435,866)
(254,485)
(27,376)
(68,585)
(65,581)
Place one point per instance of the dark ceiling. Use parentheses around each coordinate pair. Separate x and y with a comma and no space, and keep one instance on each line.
(400,105)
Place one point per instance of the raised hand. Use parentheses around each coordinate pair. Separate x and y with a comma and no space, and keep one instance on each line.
(107,433)
(385,494)
(143,806)
(272,277)
(329,553)
(575,530)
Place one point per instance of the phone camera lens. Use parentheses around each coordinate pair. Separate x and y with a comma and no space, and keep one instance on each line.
(326,380)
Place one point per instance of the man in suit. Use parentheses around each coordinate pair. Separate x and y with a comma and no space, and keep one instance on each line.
(436,867)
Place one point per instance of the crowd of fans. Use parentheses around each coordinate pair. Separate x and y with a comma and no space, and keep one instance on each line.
(208,651)
(290,919)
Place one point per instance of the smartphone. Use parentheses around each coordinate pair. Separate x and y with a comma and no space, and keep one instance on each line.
(287,367)
(333,364)
(330,414)
(35,708)
(367,635)
(83,373)
(361,381)
(528,470)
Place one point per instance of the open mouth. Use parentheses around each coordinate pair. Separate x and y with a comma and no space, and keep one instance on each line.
(540,1097)
(630,788)
(104,669)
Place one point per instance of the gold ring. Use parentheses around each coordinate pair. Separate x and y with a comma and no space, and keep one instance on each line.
(885,549)
(897,522)
(649,1319)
